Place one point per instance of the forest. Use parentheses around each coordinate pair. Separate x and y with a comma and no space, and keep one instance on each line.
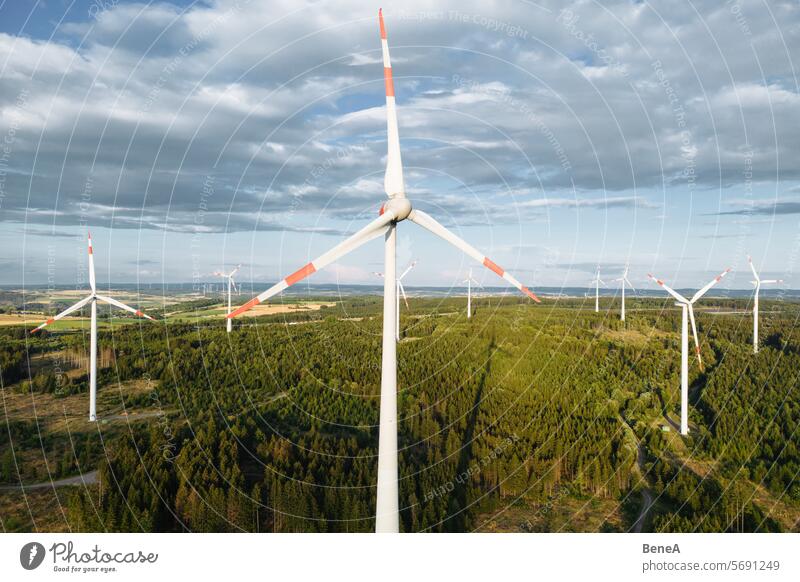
(522,418)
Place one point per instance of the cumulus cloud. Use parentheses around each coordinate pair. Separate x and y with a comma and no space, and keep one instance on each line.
(122,118)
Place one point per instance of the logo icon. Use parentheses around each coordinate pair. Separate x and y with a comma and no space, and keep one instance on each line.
(31,555)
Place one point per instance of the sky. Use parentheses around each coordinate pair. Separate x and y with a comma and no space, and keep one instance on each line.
(191,137)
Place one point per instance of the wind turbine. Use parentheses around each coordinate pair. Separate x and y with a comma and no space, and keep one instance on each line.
(687,312)
(597,280)
(92,300)
(396,209)
(469,281)
(398,291)
(624,281)
(758,282)
(231,284)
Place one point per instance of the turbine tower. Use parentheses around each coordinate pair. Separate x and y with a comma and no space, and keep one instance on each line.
(469,281)
(231,285)
(687,314)
(624,281)
(758,282)
(396,209)
(92,300)
(597,280)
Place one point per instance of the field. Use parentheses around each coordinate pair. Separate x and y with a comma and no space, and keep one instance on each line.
(524,418)
(182,308)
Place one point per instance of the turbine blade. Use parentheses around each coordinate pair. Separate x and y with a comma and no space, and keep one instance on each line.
(694,335)
(771,281)
(668,289)
(429,223)
(236,270)
(64,313)
(121,305)
(411,266)
(374,229)
(630,284)
(92,280)
(713,282)
(403,293)
(752,267)
(393,180)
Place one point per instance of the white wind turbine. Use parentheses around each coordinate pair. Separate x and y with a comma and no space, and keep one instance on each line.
(687,311)
(624,281)
(92,299)
(597,280)
(231,285)
(392,212)
(398,291)
(758,282)
(469,281)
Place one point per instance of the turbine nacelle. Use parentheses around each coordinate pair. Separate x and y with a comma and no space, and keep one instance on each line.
(399,207)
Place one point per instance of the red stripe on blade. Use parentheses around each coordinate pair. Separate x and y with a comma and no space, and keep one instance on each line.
(387,78)
(49,321)
(531,294)
(300,274)
(249,305)
(139,313)
(380,19)
(490,265)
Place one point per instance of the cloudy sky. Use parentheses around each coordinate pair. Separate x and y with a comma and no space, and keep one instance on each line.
(192,136)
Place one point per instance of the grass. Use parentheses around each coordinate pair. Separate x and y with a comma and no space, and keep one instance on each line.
(59,422)
(565,513)
(40,510)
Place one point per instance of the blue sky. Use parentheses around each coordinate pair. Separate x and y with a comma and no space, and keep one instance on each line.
(553,137)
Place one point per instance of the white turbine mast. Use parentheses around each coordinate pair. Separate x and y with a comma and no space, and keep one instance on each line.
(687,312)
(622,282)
(231,286)
(469,281)
(395,210)
(597,281)
(758,282)
(92,300)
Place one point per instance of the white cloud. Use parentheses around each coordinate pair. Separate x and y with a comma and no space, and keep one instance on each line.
(146,101)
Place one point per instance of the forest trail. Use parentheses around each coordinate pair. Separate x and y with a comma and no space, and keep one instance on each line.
(647,495)
(639,469)
(135,415)
(89,478)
